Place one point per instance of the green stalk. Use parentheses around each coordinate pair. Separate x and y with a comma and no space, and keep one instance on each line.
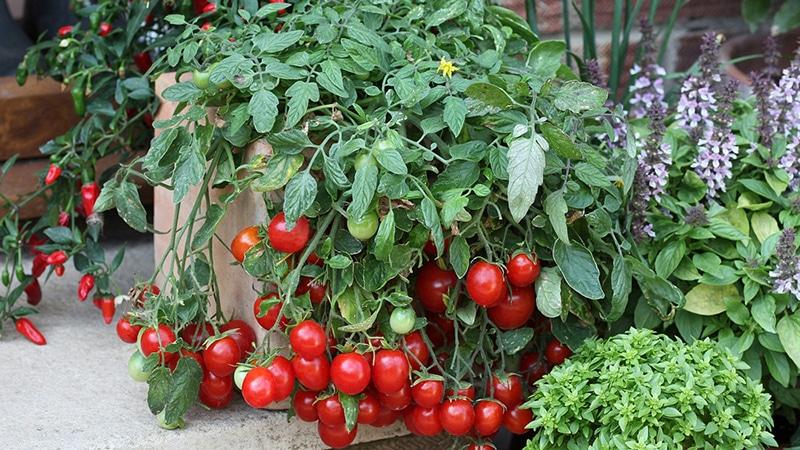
(613,78)
(565,14)
(673,17)
(626,37)
(530,11)
(587,21)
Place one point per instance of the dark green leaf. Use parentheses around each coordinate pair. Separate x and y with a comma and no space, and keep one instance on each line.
(579,269)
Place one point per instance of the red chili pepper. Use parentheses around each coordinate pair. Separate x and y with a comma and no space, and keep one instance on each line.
(105,29)
(26,328)
(53,173)
(34,241)
(63,218)
(199,5)
(142,61)
(97,301)
(89,193)
(209,8)
(147,118)
(205,26)
(59,270)
(85,286)
(108,308)
(64,31)
(280,11)
(39,264)
(57,257)
(34,292)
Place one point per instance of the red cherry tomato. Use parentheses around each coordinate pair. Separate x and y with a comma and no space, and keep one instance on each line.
(244,241)
(556,352)
(280,11)
(430,248)
(515,309)
(508,390)
(475,446)
(267,321)
(316,290)
(126,331)
(64,31)
(428,393)
(515,420)
(282,239)
(209,8)
(308,339)
(155,340)
(532,365)
(385,417)
(396,400)
(258,387)
(408,420)
(440,330)
(488,417)
(431,284)
(417,351)
(314,259)
(243,335)
(523,270)
(330,410)
(313,373)
(195,335)
(350,373)
(426,420)
(221,356)
(104,29)
(283,376)
(465,391)
(303,403)
(186,353)
(389,371)
(368,409)
(336,436)
(215,392)
(206,26)
(486,284)
(457,416)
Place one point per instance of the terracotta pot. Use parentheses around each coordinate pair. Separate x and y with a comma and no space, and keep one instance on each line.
(753,44)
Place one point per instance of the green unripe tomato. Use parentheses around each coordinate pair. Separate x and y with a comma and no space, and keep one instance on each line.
(136,367)
(239,374)
(382,145)
(364,159)
(225,84)
(364,227)
(200,78)
(402,320)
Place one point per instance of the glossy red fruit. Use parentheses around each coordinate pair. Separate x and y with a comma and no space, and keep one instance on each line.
(27,329)
(428,393)
(283,375)
(282,239)
(39,265)
(215,392)
(313,373)
(385,417)
(246,239)
(368,409)
(33,292)
(85,285)
(143,61)
(243,335)
(64,31)
(316,290)
(89,193)
(508,390)
(485,284)
(465,391)
(209,8)
(57,257)
(457,416)
(195,335)
(416,350)
(126,331)
(515,420)
(186,353)
(155,340)
(303,403)
(107,308)
(396,400)
(350,373)
(221,356)
(426,420)
(389,371)
(515,309)
(330,410)
(336,436)
(258,387)
(206,26)
(280,11)
(523,270)
(63,219)
(488,417)
(440,330)
(532,367)
(104,29)
(484,446)
(53,174)
(408,421)
(556,352)
(58,269)
(432,284)
(145,293)
(308,339)
(267,321)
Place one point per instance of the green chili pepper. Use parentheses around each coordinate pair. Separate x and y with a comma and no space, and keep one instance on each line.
(94,21)
(22,73)
(6,277)
(79,97)
(20,272)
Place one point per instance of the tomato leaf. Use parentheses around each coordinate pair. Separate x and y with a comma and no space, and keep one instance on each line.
(214,215)
(364,185)
(350,406)
(515,340)
(459,255)
(526,164)
(384,238)
(299,196)
(129,206)
(548,292)
(263,108)
(159,388)
(579,269)
(184,389)
(556,209)
(455,111)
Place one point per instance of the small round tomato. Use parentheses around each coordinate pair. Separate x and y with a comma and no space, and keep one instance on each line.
(556,352)
(440,329)
(330,410)
(215,392)
(368,409)
(155,340)
(432,284)
(126,331)
(350,373)
(408,420)
(243,334)
(508,389)
(104,29)
(363,228)
(515,309)
(286,240)
(389,371)
(267,321)
(283,376)
(136,365)
(239,374)
(244,241)
(186,353)
(515,420)
(308,339)
(533,367)
(258,388)
(221,356)
(426,420)
(316,290)
(428,393)
(483,446)
(194,334)
(200,78)
(364,159)
(209,8)
(402,320)
(396,400)
(457,416)
(336,436)
(303,403)
(523,270)
(464,391)
(313,373)
(486,284)
(385,417)
(488,417)
(416,350)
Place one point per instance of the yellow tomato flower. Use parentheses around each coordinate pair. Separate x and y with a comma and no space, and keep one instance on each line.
(447,68)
